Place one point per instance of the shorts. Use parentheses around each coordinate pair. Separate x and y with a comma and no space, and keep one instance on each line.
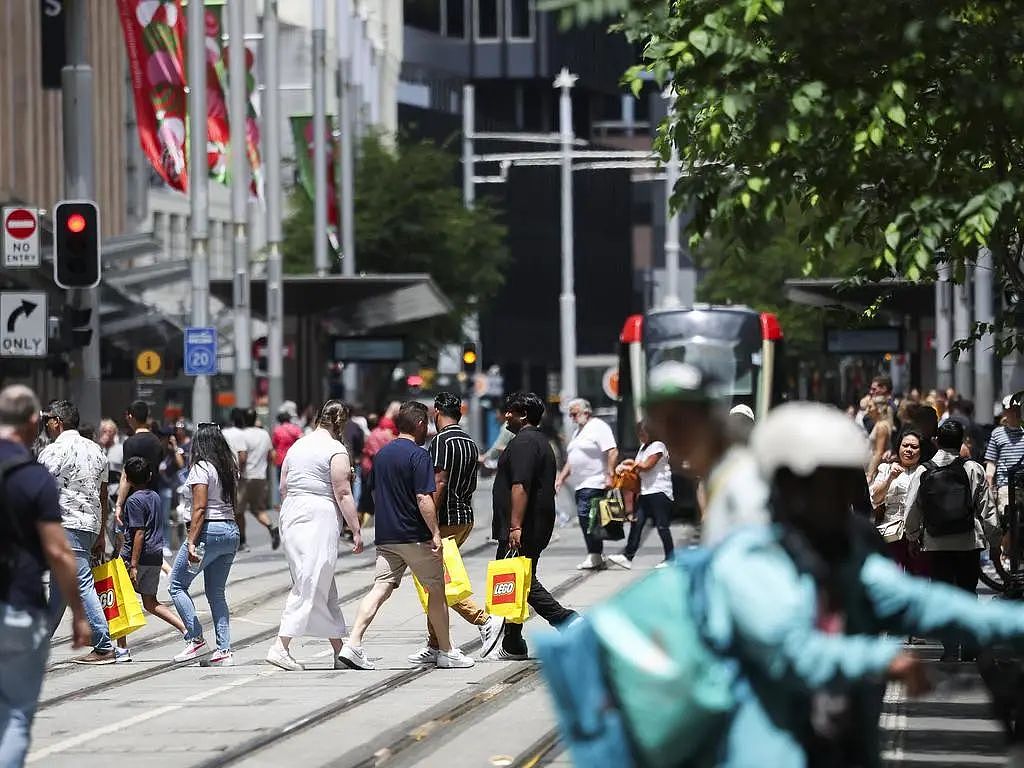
(149,580)
(252,496)
(393,559)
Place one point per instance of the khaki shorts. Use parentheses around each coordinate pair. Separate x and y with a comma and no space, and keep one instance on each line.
(393,559)
(252,496)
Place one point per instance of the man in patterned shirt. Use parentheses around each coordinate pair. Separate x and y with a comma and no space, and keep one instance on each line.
(80,469)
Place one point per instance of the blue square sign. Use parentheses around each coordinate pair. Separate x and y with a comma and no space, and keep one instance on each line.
(200,351)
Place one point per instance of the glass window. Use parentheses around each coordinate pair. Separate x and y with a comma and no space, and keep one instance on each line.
(423,14)
(488,20)
(455,18)
(520,19)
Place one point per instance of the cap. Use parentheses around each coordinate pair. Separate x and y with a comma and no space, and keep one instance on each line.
(1013,401)
(673,381)
(742,410)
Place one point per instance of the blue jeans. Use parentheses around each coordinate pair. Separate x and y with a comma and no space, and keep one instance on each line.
(583,498)
(221,544)
(81,543)
(24,646)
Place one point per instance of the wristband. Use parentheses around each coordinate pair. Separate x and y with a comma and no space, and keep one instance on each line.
(514,529)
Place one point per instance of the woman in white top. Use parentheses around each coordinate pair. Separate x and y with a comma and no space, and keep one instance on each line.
(889,487)
(316,484)
(880,412)
(655,502)
(210,488)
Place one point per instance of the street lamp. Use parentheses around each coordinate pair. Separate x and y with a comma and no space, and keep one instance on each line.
(567,301)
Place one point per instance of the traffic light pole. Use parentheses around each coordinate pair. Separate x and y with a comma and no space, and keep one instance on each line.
(471,326)
(272,166)
(79,183)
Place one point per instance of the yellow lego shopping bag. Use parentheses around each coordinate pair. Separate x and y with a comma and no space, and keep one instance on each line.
(117,595)
(508,588)
(456,581)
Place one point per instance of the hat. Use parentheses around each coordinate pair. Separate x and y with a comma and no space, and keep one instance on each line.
(742,410)
(673,381)
(1013,401)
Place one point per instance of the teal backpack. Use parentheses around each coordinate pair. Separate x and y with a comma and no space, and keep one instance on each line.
(661,679)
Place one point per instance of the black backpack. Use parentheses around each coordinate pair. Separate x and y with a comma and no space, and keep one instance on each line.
(947,502)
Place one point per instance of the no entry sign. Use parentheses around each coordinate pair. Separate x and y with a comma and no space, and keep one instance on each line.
(21,238)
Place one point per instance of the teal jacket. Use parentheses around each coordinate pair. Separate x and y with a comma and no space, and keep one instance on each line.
(763,608)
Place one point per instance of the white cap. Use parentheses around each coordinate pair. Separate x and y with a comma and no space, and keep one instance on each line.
(803,437)
(742,410)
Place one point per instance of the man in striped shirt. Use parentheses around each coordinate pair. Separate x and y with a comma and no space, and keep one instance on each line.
(456,463)
(1005,452)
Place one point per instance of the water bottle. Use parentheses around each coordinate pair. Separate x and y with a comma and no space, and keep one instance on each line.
(194,568)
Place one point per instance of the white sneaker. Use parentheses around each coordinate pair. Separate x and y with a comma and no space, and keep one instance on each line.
(122,655)
(279,657)
(622,561)
(591,563)
(454,659)
(662,564)
(221,659)
(193,649)
(354,658)
(426,655)
(490,634)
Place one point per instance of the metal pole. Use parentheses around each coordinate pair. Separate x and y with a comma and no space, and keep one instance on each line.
(567,301)
(320,137)
(80,183)
(671,297)
(943,328)
(984,356)
(202,399)
(272,165)
(963,371)
(239,202)
(471,328)
(347,129)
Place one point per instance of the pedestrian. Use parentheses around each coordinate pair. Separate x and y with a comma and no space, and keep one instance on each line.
(592,457)
(141,443)
(880,437)
(32,540)
(210,545)
(1005,452)
(655,500)
(254,491)
(523,498)
(952,519)
(315,490)
(109,439)
(234,434)
(142,545)
(381,434)
(456,463)
(80,469)
(407,536)
(355,440)
(889,492)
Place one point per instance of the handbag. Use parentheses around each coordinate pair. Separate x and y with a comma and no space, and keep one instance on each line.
(627,481)
(120,604)
(456,581)
(607,516)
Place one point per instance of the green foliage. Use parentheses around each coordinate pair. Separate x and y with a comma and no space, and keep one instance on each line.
(410,218)
(896,126)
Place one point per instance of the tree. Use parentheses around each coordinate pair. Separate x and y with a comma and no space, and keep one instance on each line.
(896,126)
(409,217)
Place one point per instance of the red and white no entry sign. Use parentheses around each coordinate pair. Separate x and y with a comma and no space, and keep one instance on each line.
(20,223)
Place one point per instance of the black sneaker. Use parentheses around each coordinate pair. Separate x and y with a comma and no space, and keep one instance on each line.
(275,537)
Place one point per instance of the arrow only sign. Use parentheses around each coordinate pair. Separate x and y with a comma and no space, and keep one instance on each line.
(23,331)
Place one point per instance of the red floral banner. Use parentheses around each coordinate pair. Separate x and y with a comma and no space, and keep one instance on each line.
(154,33)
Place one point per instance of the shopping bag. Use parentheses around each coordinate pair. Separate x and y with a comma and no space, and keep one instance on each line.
(117,596)
(456,581)
(607,516)
(508,588)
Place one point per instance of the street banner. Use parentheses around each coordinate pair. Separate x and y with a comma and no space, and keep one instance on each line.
(154,33)
(302,133)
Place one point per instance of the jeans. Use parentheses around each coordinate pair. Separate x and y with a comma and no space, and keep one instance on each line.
(542,602)
(656,506)
(584,496)
(357,484)
(81,543)
(167,498)
(221,540)
(24,646)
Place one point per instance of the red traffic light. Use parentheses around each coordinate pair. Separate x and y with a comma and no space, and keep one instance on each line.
(76,223)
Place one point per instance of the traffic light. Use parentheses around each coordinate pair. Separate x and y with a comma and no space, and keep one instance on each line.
(76,244)
(470,359)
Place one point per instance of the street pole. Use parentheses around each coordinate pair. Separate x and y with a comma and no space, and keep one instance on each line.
(567,301)
(347,129)
(320,137)
(671,295)
(239,202)
(202,398)
(943,328)
(471,327)
(80,183)
(984,356)
(272,154)
(963,374)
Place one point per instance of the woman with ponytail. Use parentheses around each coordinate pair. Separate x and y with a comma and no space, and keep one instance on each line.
(316,493)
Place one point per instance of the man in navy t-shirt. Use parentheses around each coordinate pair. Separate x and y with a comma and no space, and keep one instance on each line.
(407,536)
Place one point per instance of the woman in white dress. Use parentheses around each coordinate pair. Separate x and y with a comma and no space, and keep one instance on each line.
(316,483)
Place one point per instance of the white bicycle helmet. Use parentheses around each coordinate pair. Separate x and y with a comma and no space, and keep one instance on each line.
(804,436)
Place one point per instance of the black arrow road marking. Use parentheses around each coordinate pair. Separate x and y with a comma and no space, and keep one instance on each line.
(26,309)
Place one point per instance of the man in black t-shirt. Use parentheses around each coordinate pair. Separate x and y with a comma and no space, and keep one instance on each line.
(524,509)
(31,540)
(142,443)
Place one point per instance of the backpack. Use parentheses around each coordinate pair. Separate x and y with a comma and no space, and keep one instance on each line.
(638,676)
(947,502)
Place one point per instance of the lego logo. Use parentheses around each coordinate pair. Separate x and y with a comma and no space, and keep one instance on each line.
(504,589)
(108,598)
